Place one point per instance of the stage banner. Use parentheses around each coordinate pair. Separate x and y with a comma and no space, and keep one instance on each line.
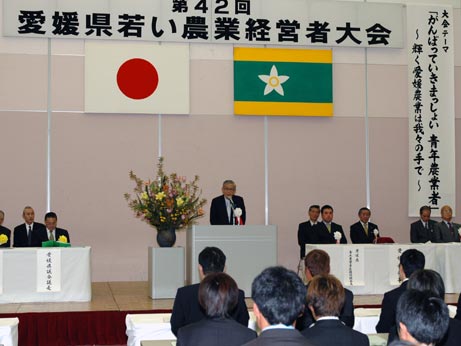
(263,22)
(292,82)
(147,78)
(354,266)
(431,107)
(48,270)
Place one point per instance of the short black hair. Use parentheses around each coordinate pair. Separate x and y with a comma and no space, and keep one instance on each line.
(218,295)
(427,280)
(412,260)
(279,294)
(51,215)
(212,260)
(423,208)
(326,206)
(314,206)
(363,209)
(426,317)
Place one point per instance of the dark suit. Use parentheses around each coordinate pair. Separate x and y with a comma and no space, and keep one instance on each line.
(458,310)
(57,233)
(212,332)
(187,309)
(358,235)
(388,308)
(420,234)
(7,232)
(20,235)
(279,337)
(333,332)
(218,210)
(306,235)
(443,233)
(325,237)
(346,316)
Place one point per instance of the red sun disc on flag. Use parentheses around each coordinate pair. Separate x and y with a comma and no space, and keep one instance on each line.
(137,78)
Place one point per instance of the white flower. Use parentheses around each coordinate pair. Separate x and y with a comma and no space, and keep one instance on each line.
(337,235)
(238,212)
(273,81)
(376,232)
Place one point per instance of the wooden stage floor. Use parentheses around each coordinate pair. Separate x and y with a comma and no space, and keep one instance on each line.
(130,296)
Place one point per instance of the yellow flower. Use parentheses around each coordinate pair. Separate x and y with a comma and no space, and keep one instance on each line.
(159,196)
(3,239)
(144,196)
(62,239)
(179,201)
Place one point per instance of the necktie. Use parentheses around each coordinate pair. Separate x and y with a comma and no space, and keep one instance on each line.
(329,227)
(29,235)
(452,231)
(365,226)
(52,235)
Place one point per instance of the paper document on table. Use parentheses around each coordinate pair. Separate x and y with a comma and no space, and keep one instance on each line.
(354,266)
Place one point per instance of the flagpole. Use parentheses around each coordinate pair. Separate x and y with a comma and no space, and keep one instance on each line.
(159,135)
(48,152)
(266,172)
(367,135)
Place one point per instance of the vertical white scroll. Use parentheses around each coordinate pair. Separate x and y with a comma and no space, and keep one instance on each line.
(48,270)
(354,266)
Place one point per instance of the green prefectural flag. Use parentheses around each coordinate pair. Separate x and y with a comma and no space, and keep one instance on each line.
(271,81)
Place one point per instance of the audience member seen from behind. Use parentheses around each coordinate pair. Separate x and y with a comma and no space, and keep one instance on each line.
(410,261)
(364,231)
(186,307)
(317,262)
(52,232)
(218,295)
(29,233)
(447,231)
(325,299)
(423,230)
(421,318)
(306,231)
(327,231)
(5,233)
(278,295)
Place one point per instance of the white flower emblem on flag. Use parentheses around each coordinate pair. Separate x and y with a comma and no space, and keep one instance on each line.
(273,81)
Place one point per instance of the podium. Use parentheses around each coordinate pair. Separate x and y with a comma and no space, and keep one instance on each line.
(248,250)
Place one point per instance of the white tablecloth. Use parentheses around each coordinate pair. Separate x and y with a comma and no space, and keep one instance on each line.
(444,258)
(9,331)
(148,327)
(20,276)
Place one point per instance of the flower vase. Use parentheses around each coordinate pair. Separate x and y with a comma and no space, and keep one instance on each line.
(166,237)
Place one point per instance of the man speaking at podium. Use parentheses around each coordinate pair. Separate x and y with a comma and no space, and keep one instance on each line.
(224,208)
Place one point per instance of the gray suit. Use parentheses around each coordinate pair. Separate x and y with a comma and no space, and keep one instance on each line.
(442,234)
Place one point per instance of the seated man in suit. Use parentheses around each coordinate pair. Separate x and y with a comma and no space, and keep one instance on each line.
(278,295)
(422,230)
(4,231)
(218,296)
(327,230)
(363,231)
(222,211)
(52,232)
(317,262)
(447,231)
(325,298)
(306,233)
(29,233)
(422,319)
(410,261)
(186,307)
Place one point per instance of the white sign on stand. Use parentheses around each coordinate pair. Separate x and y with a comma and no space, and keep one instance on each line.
(48,270)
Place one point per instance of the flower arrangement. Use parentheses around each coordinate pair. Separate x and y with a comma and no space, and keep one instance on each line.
(168,202)
(62,239)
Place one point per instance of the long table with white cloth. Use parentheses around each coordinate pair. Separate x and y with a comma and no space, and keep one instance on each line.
(45,275)
(373,268)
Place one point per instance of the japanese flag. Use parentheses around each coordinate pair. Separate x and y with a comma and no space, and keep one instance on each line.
(136,78)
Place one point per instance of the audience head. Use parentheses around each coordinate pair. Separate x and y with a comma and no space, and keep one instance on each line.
(425,213)
(28,214)
(427,280)
(364,214)
(325,296)
(2,217)
(228,188)
(51,220)
(327,213)
(410,261)
(421,318)
(218,295)
(211,260)
(446,212)
(317,262)
(278,295)
(314,212)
